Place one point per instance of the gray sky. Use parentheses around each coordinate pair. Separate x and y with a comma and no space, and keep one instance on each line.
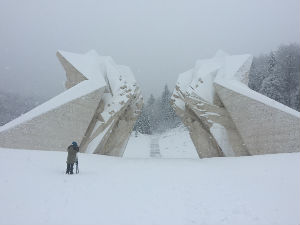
(158,39)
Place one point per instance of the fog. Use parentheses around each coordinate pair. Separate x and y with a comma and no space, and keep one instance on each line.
(157,39)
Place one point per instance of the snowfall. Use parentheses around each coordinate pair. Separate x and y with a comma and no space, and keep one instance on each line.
(160,180)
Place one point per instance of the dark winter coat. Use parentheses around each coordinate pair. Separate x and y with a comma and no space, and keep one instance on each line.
(72,150)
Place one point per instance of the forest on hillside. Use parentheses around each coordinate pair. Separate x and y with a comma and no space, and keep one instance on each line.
(277,75)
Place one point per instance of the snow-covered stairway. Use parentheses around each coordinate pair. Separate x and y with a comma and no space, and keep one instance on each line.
(154,147)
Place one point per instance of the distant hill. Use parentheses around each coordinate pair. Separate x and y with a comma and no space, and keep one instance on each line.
(13,105)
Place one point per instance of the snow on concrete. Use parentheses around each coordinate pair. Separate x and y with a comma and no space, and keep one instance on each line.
(124,88)
(120,103)
(231,67)
(90,64)
(242,89)
(78,91)
(221,66)
(221,136)
(239,121)
(99,94)
(183,81)
(108,190)
(231,76)
(119,79)
(202,84)
(96,141)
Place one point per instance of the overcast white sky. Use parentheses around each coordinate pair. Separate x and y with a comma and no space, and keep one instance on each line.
(158,39)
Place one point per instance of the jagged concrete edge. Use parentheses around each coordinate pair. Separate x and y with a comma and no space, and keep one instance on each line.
(23,134)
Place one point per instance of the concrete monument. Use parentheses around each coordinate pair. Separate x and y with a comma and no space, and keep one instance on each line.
(225,117)
(98,109)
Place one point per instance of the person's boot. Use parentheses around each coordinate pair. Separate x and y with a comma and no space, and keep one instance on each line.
(71,168)
(68,169)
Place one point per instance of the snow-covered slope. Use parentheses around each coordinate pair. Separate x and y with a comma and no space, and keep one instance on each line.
(244,190)
(138,146)
(174,143)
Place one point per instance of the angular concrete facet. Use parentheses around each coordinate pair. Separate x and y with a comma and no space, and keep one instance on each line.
(236,120)
(264,128)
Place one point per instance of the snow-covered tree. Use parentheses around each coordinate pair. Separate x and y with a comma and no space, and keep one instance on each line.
(142,124)
(151,100)
(258,72)
(277,75)
(271,63)
(167,114)
(288,57)
(152,112)
(157,114)
(274,87)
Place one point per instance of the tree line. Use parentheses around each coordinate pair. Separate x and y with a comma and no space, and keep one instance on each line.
(277,75)
(157,114)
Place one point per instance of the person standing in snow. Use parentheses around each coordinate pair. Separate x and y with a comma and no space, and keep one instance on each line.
(72,157)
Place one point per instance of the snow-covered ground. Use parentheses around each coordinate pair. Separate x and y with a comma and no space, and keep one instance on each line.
(242,190)
(138,146)
(175,143)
